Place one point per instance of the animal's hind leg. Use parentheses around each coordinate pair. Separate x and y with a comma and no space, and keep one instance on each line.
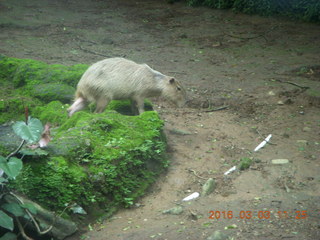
(101,104)
(79,104)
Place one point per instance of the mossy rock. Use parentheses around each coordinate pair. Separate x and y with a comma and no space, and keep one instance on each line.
(100,161)
(53,91)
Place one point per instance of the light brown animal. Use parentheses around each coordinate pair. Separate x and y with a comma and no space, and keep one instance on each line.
(119,78)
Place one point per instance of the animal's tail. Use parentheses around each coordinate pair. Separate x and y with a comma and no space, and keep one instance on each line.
(78,94)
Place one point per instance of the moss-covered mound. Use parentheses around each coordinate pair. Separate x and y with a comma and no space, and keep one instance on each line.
(26,82)
(101,160)
(96,161)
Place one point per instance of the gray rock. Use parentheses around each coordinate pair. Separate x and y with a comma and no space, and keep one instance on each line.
(175,211)
(208,187)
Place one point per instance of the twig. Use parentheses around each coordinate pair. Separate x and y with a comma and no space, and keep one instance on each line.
(216,109)
(93,52)
(292,83)
(17,150)
(248,38)
(268,142)
(253,37)
(24,235)
(209,110)
(32,218)
(85,40)
(195,173)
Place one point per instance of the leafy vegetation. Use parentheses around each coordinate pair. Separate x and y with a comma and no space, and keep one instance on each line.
(308,10)
(245,163)
(10,167)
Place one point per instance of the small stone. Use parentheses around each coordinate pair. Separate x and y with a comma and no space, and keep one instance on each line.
(280,102)
(280,161)
(218,235)
(302,142)
(175,211)
(306,129)
(208,187)
(271,93)
(183,35)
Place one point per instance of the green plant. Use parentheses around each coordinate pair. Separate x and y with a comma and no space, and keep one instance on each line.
(245,163)
(10,167)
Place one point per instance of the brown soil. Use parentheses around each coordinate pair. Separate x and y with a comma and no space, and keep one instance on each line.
(245,63)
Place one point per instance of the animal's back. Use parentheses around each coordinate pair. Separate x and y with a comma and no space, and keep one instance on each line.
(115,77)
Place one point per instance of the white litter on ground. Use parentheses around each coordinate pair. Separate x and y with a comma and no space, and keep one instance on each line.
(264,142)
(230,170)
(191,197)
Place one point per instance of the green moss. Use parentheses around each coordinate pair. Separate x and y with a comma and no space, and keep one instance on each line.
(55,112)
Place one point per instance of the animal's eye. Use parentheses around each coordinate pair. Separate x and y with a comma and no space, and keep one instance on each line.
(178,88)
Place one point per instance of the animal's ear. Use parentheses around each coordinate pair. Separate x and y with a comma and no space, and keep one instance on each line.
(171,80)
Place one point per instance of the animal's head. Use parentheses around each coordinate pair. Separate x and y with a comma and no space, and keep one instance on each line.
(175,92)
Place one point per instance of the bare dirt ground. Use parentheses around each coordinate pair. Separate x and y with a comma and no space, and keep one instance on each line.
(246,63)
